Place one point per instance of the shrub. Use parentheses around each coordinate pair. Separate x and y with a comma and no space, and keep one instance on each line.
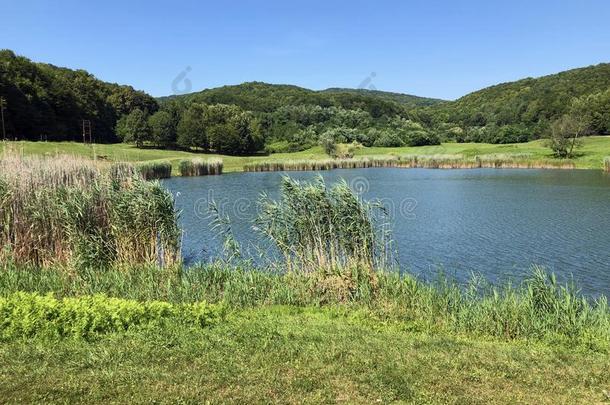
(329,145)
(421,138)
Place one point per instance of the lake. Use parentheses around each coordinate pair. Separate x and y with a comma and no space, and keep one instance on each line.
(496,223)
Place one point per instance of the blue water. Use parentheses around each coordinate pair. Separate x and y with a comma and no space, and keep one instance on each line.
(495,223)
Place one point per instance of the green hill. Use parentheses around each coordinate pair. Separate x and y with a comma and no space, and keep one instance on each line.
(526,107)
(267,98)
(50,102)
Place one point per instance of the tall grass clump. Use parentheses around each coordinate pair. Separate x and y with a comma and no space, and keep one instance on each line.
(200,167)
(540,308)
(155,170)
(329,232)
(320,164)
(69,211)
(607,164)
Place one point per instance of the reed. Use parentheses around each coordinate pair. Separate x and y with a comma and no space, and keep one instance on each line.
(155,170)
(439,161)
(316,227)
(71,211)
(607,164)
(322,164)
(201,167)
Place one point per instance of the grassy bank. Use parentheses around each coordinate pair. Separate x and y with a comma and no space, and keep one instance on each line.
(298,355)
(591,156)
(95,305)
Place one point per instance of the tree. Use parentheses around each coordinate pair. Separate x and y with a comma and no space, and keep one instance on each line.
(564,135)
(232,130)
(191,130)
(329,145)
(163,129)
(133,128)
(125,99)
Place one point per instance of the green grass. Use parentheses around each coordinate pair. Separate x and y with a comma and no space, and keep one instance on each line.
(298,355)
(590,156)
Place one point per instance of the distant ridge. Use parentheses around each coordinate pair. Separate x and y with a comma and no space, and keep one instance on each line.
(401,98)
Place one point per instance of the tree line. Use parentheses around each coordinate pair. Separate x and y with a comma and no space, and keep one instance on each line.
(49,102)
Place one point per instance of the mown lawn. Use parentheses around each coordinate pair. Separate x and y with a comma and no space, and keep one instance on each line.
(299,355)
(590,156)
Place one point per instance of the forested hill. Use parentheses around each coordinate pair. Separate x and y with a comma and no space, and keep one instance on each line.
(522,110)
(49,102)
(407,100)
(266,98)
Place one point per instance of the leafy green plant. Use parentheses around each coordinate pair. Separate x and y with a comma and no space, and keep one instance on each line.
(25,315)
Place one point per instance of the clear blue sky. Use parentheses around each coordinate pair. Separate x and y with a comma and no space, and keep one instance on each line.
(431,48)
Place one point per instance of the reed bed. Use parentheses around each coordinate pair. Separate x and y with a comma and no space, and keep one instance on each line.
(607,164)
(201,167)
(439,161)
(69,211)
(155,170)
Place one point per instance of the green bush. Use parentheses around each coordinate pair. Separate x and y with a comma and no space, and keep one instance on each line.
(25,315)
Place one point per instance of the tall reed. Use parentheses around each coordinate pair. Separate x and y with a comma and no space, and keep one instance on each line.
(201,167)
(439,161)
(67,210)
(155,170)
(319,227)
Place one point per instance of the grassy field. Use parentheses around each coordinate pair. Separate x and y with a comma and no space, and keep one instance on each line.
(590,156)
(298,355)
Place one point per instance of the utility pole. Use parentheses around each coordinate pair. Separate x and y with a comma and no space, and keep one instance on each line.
(2,107)
(86,131)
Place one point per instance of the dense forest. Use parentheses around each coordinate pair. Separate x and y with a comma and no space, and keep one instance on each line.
(48,102)
(524,110)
